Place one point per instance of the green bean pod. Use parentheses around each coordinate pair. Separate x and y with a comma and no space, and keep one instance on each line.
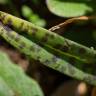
(36,52)
(47,37)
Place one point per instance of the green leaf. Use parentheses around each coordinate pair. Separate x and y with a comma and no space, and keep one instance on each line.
(13,81)
(5,90)
(26,11)
(69,8)
(32,17)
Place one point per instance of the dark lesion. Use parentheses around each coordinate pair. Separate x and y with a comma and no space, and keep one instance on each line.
(33,30)
(54,59)
(71,70)
(82,51)
(2,17)
(65,48)
(45,37)
(47,62)
(9,23)
(31,48)
(37,48)
(17,38)
(22,45)
(1,31)
(25,27)
(89,78)
(21,25)
(62,68)
(6,27)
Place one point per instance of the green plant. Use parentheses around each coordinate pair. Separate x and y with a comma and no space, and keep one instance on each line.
(71,8)
(46,54)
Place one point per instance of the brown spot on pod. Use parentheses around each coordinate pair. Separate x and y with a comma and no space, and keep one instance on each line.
(65,48)
(62,69)
(89,78)
(47,62)
(25,28)
(51,36)
(22,45)
(45,37)
(1,31)
(10,35)
(37,49)
(82,50)
(34,30)
(9,22)
(7,28)
(0,23)
(54,59)
(2,17)
(57,67)
(31,48)
(86,78)
(71,70)
(21,25)
(17,38)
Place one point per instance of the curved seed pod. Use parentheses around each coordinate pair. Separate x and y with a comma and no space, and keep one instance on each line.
(36,52)
(86,67)
(47,37)
(74,61)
